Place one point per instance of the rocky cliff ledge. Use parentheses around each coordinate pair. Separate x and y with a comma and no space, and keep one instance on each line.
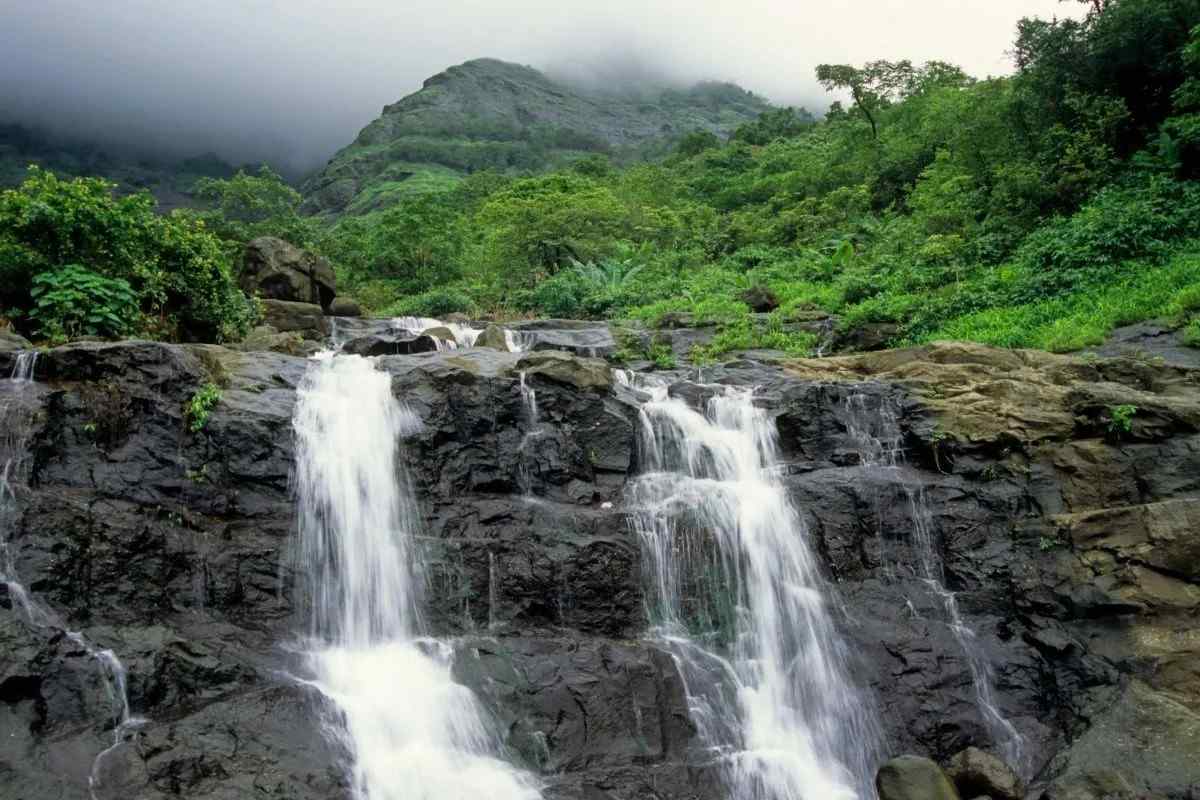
(1064,494)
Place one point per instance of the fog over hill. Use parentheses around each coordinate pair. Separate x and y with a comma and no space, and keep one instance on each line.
(293,81)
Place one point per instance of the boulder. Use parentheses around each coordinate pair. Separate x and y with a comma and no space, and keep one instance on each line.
(344,307)
(975,773)
(274,269)
(13,341)
(760,299)
(913,778)
(495,337)
(286,316)
(390,345)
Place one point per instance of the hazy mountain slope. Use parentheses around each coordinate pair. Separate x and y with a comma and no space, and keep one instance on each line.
(492,114)
(169,180)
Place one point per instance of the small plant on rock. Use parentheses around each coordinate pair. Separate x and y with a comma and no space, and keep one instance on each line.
(1120,418)
(201,405)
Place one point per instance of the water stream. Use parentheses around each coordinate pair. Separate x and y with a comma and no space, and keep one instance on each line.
(735,593)
(412,733)
(873,423)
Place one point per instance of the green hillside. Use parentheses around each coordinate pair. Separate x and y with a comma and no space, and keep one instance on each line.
(492,115)
(1042,209)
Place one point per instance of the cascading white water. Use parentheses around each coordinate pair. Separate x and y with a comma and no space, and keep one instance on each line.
(464,335)
(412,732)
(734,591)
(17,411)
(874,427)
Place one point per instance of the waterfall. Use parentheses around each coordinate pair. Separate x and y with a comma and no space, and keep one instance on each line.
(528,400)
(876,433)
(411,731)
(17,414)
(735,593)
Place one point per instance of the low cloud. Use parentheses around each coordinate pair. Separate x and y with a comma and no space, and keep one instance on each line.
(290,81)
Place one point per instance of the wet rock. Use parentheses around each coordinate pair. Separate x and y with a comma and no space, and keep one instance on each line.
(306,319)
(1148,341)
(344,307)
(913,778)
(390,345)
(582,373)
(976,773)
(276,270)
(1070,553)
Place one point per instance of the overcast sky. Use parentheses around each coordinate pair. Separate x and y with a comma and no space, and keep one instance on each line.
(292,80)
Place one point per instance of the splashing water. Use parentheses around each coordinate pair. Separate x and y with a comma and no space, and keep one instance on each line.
(413,733)
(877,436)
(734,592)
(17,415)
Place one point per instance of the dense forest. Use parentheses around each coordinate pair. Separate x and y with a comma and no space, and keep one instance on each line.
(1037,210)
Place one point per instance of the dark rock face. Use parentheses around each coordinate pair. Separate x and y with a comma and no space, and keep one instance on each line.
(1071,549)
(276,270)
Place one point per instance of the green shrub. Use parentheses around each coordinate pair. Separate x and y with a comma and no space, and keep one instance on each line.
(72,301)
(200,406)
(177,270)
(434,303)
(1191,333)
(1120,224)
(746,334)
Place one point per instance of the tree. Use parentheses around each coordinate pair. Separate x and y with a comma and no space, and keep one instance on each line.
(415,244)
(778,123)
(878,84)
(538,225)
(247,206)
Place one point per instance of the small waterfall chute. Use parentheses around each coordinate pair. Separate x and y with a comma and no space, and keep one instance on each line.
(873,424)
(411,731)
(735,593)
